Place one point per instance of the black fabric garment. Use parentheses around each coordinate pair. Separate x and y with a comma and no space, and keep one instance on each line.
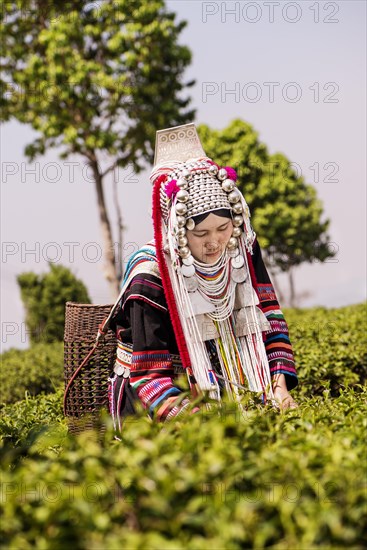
(146,325)
(143,321)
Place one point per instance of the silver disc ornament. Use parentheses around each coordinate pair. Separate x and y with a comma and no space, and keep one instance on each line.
(188,261)
(119,369)
(233,253)
(238,261)
(188,270)
(238,275)
(191,284)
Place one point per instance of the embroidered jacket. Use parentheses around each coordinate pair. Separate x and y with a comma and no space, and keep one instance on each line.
(148,346)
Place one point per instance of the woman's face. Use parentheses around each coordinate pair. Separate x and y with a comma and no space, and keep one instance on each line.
(209,238)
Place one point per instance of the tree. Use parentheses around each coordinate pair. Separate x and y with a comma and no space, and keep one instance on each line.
(44,297)
(96,81)
(285,211)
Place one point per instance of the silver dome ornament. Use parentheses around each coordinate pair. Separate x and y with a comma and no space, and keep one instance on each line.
(181,208)
(166,249)
(232,243)
(237,221)
(234,196)
(182,241)
(222,174)
(181,232)
(185,174)
(237,232)
(188,270)
(228,185)
(181,221)
(182,183)
(213,170)
(189,260)
(238,261)
(182,195)
(190,224)
(237,208)
(184,252)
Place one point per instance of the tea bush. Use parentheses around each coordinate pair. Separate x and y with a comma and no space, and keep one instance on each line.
(268,479)
(35,370)
(20,422)
(217,479)
(330,347)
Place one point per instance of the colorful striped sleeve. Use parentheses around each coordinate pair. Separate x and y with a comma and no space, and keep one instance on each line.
(277,343)
(153,345)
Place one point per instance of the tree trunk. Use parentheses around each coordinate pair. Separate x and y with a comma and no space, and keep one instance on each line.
(110,270)
(292,297)
(119,262)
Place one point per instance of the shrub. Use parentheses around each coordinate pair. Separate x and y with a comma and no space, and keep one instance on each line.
(20,422)
(330,347)
(217,479)
(44,297)
(35,370)
(289,480)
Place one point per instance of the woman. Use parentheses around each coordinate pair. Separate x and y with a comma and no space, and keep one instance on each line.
(197,298)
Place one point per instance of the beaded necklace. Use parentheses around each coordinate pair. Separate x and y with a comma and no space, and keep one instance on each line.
(216,286)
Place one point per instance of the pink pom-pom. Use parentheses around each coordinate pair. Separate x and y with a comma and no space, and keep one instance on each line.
(232,174)
(171,189)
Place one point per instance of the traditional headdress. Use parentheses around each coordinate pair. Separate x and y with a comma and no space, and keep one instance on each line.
(215,302)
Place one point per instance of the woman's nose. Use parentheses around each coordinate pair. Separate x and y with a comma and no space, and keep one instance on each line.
(213,244)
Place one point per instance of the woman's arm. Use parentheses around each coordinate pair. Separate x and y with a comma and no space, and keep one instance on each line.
(146,324)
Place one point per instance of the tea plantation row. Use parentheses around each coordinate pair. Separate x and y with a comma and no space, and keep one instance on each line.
(217,479)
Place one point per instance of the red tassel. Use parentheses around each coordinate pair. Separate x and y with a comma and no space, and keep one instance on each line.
(167,286)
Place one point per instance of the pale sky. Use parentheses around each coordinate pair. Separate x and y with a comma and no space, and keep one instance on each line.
(294,70)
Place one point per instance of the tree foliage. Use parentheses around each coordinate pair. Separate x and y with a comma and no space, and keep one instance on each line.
(286,213)
(94,79)
(44,297)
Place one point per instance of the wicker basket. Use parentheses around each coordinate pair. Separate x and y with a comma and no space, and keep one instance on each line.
(87,394)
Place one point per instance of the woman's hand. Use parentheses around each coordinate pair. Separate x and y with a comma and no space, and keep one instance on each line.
(281,394)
